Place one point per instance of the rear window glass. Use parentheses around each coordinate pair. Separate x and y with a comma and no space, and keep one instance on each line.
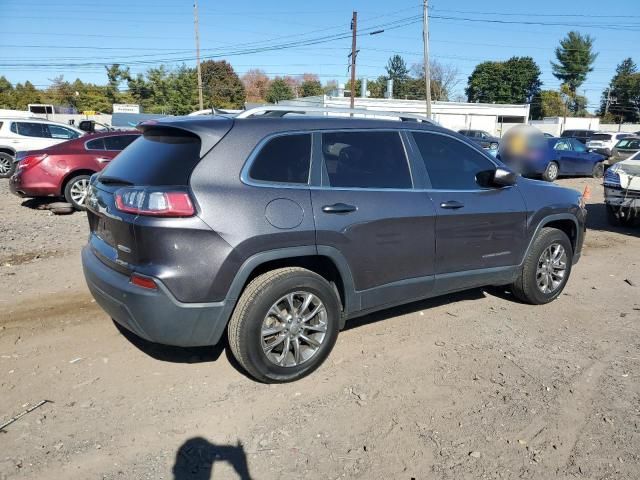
(601,136)
(159,157)
(284,159)
(29,129)
(365,160)
(97,144)
(118,142)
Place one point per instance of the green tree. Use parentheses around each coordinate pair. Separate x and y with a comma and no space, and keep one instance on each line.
(621,100)
(311,88)
(515,81)
(159,84)
(115,75)
(25,94)
(279,90)
(547,103)
(398,72)
(183,96)
(221,85)
(575,59)
(6,93)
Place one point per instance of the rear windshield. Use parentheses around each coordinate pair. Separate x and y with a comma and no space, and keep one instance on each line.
(601,136)
(159,157)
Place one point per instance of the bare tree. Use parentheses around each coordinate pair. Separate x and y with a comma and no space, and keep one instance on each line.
(256,83)
(444,78)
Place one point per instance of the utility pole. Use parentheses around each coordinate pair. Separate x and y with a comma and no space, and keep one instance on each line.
(354,29)
(427,69)
(195,25)
(606,107)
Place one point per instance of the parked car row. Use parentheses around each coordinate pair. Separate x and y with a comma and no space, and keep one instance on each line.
(18,135)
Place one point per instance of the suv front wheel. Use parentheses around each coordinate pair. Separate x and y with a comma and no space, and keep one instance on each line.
(7,165)
(285,324)
(546,268)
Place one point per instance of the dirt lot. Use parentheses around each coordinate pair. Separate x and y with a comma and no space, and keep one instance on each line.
(469,386)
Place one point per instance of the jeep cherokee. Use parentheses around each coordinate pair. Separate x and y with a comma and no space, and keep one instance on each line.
(277,231)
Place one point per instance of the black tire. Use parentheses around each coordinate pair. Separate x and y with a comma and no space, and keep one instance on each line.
(598,170)
(7,165)
(245,327)
(551,172)
(525,288)
(69,190)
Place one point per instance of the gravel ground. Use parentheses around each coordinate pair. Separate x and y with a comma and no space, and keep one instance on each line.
(472,385)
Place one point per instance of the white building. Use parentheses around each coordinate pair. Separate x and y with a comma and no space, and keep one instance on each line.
(494,118)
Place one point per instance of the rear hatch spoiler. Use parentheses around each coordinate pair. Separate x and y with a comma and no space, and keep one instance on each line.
(209,129)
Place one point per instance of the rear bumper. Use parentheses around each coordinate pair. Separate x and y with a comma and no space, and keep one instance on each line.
(619,197)
(20,186)
(154,315)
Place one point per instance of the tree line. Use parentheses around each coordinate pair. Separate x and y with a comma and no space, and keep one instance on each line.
(516,80)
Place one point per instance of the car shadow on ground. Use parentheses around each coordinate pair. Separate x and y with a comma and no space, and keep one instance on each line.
(597,220)
(167,353)
(40,203)
(196,458)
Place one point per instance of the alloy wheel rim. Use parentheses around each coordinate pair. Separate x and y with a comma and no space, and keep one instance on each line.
(552,268)
(294,329)
(5,165)
(79,191)
(553,170)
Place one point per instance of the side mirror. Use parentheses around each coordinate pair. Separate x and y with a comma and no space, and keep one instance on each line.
(503,177)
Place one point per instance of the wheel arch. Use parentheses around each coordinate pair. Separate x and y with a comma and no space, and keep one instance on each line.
(8,151)
(325,261)
(70,175)
(564,222)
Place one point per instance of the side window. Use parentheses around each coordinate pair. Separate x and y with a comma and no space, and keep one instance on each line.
(14,127)
(365,160)
(97,144)
(562,145)
(450,163)
(284,159)
(29,129)
(56,131)
(118,142)
(578,146)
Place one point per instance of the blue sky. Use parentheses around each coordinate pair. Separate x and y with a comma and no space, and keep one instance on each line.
(40,39)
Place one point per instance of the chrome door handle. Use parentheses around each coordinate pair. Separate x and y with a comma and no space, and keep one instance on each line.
(103,159)
(451,205)
(339,208)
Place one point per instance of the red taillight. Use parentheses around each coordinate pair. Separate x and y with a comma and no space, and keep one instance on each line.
(31,161)
(140,201)
(143,282)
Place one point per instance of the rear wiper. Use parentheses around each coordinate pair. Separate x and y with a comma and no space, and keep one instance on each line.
(113,181)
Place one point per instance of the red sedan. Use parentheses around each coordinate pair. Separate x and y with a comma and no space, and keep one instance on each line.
(64,169)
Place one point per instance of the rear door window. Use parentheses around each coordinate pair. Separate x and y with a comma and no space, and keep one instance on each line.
(160,157)
(29,129)
(374,160)
(118,142)
(97,144)
(450,163)
(284,159)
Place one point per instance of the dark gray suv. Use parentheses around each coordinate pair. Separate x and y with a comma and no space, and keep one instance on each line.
(278,230)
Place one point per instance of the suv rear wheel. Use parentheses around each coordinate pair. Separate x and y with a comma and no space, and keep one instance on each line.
(551,172)
(546,268)
(285,325)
